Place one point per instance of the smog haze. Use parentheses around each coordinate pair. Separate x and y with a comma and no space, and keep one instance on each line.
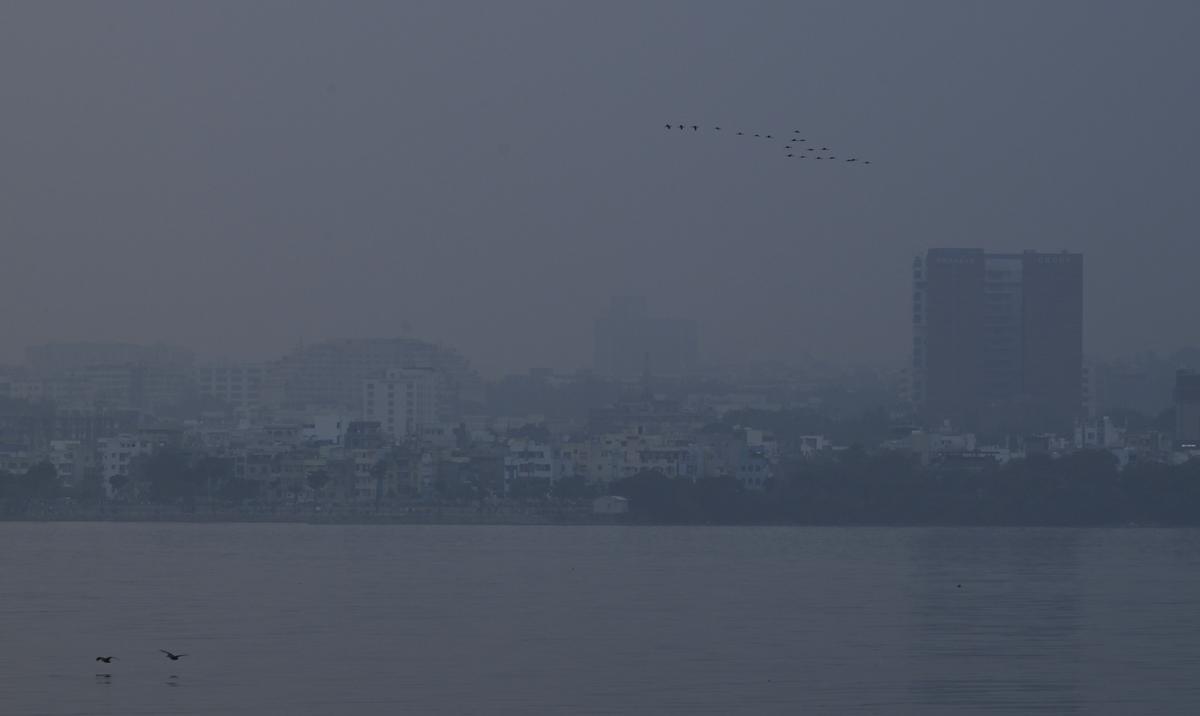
(235,177)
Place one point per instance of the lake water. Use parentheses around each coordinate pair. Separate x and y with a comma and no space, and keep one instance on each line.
(296,619)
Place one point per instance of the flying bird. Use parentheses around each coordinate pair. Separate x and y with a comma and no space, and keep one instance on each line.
(852,159)
(105,659)
(824,149)
(172,657)
(717,128)
(867,162)
(668,126)
(795,131)
(756,135)
(740,133)
(792,155)
(769,137)
(695,128)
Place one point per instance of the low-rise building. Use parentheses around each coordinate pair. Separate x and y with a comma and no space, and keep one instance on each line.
(72,460)
(1098,434)
(527,461)
(116,456)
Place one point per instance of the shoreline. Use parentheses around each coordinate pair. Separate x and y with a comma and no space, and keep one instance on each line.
(459,517)
(331,516)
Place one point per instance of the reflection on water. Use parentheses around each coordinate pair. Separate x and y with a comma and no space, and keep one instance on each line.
(379,620)
(1007,639)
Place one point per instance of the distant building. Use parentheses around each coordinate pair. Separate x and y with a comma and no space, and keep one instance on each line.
(239,385)
(56,358)
(71,460)
(36,427)
(628,342)
(324,429)
(330,374)
(1000,334)
(117,454)
(1098,434)
(529,460)
(753,468)
(402,401)
(1187,409)
(1094,398)
(31,389)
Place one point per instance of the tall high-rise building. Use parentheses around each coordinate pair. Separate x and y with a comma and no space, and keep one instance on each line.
(630,342)
(1187,409)
(998,338)
(403,402)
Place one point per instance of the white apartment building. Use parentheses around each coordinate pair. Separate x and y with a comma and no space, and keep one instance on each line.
(529,459)
(239,385)
(403,401)
(71,460)
(116,455)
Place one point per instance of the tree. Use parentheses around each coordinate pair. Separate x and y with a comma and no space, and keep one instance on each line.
(118,483)
(89,489)
(529,487)
(317,480)
(572,488)
(40,482)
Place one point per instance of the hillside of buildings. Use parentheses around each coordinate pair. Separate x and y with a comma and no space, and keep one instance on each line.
(401,429)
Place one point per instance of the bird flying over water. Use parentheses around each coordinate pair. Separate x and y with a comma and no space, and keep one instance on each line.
(105,659)
(695,128)
(172,657)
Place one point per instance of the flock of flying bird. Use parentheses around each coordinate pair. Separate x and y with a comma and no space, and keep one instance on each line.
(795,147)
(110,659)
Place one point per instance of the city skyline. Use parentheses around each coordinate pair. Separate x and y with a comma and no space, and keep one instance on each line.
(463,356)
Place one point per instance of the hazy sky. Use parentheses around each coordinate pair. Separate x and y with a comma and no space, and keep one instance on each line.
(234,176)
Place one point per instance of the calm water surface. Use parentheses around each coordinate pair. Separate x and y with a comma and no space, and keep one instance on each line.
(295,619)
